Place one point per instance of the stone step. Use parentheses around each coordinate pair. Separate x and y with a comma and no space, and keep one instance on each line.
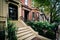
(19,24)
(26,36)
(30,37)
(22,31)
(22,28)
(22,22)
(22,34)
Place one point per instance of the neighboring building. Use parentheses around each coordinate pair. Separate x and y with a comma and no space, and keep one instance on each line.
(27,12)
(35,14)
(43,17)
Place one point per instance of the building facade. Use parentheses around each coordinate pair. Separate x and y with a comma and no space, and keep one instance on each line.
(27,12)
(16,10)
(8,9)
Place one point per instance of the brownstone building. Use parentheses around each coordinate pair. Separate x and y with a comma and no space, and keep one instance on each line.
(27,12)
(15,9)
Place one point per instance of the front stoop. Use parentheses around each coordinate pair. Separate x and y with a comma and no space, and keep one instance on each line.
(25,32)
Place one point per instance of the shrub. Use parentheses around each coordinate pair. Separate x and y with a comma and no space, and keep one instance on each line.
(40,26)
(11,31)
(50,34)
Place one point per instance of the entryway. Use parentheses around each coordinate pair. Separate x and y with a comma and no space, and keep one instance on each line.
(26,13)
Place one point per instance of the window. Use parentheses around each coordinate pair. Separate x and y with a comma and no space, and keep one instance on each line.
(33,16)
(37,16)
(13,12)
(26,2)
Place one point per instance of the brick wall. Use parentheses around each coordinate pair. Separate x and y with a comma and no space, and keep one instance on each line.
(27,8)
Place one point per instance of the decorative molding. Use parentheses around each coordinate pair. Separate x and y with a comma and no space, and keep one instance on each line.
(12,1)
(26,7)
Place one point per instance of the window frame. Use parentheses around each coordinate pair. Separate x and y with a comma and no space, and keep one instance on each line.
(14,14)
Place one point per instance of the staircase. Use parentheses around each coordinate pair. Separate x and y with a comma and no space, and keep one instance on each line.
(25,32)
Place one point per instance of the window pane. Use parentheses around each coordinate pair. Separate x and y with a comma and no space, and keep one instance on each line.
(33,16)
(13,12)
(26,2)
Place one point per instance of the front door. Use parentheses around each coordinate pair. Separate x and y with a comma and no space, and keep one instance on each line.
(26,13)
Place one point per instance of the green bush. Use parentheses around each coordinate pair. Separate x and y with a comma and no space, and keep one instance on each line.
(11,31)
(40,26)
(50,34)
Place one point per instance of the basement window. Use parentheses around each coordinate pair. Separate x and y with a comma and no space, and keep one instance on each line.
(13,12)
